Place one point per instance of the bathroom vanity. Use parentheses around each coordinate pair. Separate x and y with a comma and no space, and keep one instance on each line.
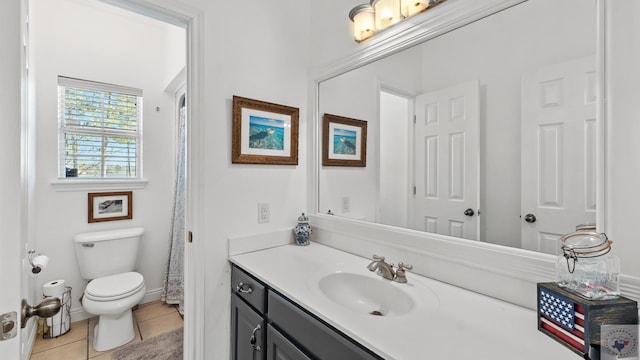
(305,301)
(285,330)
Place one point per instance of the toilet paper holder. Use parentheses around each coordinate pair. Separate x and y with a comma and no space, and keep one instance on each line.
(37,268)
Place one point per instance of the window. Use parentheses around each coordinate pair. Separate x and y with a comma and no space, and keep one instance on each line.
(100,130)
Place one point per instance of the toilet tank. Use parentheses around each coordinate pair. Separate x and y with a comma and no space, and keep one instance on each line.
(110,252)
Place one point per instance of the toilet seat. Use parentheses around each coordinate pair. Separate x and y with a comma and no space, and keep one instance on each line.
(114,287)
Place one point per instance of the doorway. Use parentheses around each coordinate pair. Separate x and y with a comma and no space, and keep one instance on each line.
(394,177)
(189,22)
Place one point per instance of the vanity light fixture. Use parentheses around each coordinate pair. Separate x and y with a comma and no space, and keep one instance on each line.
(386,12)
(413,7)
(368,19)
(363,22)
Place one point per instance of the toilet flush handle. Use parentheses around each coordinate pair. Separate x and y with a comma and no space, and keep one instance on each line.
(88,245)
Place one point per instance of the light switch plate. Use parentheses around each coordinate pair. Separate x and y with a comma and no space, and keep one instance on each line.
(346,204)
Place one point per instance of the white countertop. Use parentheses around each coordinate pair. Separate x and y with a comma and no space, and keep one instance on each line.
(447,323)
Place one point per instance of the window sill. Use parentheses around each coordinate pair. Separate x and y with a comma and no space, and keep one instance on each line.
(98,184)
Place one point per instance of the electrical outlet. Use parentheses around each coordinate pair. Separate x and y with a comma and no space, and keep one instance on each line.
(264,214)
(346,204)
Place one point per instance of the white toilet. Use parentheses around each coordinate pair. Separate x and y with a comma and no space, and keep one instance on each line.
(107,259)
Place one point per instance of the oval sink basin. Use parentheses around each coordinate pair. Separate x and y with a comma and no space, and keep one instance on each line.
(365,294)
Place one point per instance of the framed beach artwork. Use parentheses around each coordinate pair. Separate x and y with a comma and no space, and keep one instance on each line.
(264,133)
(109,206)
(344,141)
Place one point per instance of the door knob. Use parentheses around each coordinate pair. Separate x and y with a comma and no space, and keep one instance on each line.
(47,308)
(530,218)
(469,212)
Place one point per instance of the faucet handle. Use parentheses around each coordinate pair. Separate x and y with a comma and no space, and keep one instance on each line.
(401,276)
(377,258)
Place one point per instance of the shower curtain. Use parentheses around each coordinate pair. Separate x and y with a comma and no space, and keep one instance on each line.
(173,290)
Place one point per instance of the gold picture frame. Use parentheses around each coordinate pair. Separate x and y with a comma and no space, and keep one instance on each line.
(264,133)
(344,141)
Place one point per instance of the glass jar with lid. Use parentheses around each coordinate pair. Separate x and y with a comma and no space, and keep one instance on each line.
(586,266)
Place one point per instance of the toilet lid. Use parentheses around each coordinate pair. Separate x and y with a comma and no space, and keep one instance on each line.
(114,285)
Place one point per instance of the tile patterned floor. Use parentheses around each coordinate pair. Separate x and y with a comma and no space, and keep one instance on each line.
(150,319)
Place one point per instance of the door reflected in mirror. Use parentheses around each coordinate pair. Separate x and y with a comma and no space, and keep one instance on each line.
(478,131)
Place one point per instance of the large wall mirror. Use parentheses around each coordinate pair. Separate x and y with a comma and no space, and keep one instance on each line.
(503,145)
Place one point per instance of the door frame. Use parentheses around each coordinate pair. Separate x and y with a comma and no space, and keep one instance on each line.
(385,86)
(192,21)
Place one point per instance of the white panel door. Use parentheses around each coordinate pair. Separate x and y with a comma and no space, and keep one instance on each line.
(447,155)
(558,152)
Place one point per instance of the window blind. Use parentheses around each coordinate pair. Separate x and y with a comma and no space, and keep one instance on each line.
(100,129)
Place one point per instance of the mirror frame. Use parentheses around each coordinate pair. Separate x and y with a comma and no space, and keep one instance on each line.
(522,266)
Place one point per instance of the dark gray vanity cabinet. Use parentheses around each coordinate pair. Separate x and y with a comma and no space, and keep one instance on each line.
(267,325)
(280,348)
(248,330)
(248,319)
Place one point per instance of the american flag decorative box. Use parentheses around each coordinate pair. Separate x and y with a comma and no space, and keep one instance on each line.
(575,321)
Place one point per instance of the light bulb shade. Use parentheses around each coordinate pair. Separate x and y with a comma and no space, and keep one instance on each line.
(413,7)
(387,12)
(363,22)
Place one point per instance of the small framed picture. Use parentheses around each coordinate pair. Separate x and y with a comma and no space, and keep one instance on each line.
(109,206)
(264,133)
(344,141)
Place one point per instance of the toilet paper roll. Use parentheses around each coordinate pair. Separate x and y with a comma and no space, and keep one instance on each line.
(60,323)
(40,263)
(54,288)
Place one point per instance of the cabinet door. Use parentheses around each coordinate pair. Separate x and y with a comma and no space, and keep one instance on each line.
(247,332)
(280,348)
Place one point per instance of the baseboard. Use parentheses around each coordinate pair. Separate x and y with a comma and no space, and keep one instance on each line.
(152,295)
(78,314)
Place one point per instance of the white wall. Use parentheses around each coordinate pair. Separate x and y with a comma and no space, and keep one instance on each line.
(394,190)
(357,183)
(623,170)
(331,30)
(259,50)
(355,94)
(94,41)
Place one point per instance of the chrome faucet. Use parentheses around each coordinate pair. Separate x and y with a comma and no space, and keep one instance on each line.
(387,271)
(382,268)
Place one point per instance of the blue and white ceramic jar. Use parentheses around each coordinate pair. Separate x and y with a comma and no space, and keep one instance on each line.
(302,231)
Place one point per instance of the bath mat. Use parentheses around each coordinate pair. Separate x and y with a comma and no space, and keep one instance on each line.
(167,346)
